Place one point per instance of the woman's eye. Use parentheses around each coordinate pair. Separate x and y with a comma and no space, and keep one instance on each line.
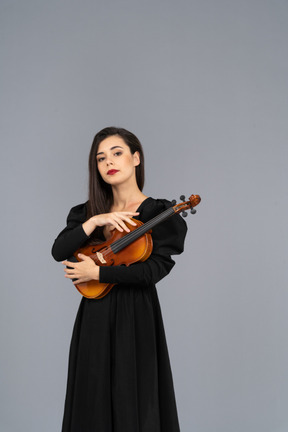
(100,159)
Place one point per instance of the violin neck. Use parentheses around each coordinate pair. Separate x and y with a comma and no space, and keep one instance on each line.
(120,244)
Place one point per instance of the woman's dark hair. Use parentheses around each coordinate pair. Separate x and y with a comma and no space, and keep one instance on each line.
(100,193)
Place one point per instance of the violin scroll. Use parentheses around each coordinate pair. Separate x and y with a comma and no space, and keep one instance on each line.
(194,200)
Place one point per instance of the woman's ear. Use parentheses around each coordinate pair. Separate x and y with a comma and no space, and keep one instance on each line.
(136,158)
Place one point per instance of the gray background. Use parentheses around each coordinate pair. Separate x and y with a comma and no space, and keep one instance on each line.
(203,84)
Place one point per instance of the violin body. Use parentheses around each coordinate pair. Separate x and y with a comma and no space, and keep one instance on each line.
(102,254)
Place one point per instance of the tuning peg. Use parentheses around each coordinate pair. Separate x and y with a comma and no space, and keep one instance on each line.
(182,197)
(184,213)
(193,211)
(173,202)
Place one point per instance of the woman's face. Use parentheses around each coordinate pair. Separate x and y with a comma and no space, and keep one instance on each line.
(115,162)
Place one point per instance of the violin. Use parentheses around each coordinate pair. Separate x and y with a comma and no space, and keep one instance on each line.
(127,248)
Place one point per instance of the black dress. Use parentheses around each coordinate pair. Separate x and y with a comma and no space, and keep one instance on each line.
(119,375)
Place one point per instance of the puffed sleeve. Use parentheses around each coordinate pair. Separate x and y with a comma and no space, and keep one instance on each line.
(73,236)
(168,239)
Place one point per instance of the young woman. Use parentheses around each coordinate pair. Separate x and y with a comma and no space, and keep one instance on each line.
(119,375)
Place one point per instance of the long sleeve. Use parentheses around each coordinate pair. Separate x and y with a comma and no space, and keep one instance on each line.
(146,273)
(73,236)
(168,239)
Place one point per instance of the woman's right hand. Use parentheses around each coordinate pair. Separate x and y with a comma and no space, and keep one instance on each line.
(115,219)
(112,220)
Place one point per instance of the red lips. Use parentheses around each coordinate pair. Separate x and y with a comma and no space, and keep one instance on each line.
(111,172)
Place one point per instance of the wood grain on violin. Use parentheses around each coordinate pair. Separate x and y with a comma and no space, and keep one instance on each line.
(127,248)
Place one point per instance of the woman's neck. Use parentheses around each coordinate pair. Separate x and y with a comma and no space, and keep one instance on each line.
(125,198)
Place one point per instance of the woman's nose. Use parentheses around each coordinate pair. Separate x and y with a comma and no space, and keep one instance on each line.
(109,161)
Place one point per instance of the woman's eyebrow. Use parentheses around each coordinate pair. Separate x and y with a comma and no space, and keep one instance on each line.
(110,149)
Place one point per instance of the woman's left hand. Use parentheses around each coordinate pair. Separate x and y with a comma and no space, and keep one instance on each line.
(83,271)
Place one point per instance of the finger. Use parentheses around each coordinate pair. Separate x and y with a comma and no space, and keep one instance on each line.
(82,256)
(85,257)
(69,263)
(120,227)
(123,218)
(129,220)
(70,272)
(120,223)
(117,220)
(78,281)
(116,223)
(72,276)
(123,226)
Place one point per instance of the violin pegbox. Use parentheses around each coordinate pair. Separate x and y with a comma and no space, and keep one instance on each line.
(184,213)
(194,200)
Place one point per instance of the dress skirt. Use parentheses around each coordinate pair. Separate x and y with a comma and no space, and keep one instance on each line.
(119,376)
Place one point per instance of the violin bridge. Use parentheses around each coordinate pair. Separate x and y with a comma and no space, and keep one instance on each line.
(101,258)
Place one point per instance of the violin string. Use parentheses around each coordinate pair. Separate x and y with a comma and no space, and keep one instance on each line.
(133,235)
(138,232)
(120,244)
